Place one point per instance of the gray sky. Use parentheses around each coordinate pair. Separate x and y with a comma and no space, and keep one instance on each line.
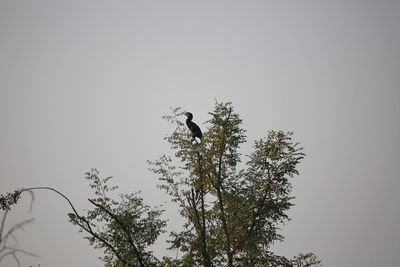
(84,84)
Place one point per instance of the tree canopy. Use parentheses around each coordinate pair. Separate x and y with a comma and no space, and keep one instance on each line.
(232,204)
(232,210)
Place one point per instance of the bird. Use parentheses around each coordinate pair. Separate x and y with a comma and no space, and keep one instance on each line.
(193,127)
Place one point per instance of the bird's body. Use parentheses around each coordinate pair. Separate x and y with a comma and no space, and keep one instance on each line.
(193,127)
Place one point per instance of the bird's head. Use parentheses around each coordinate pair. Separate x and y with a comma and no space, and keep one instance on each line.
(189,115)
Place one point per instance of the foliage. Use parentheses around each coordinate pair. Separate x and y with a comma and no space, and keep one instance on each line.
(306,260)
(9,199)
(124,229)
(232,214)
(232,209)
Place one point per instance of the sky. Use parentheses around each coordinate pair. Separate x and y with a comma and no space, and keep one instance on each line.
(83,84)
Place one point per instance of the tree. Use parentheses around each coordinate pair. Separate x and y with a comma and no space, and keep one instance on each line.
(232,209)
(232,214)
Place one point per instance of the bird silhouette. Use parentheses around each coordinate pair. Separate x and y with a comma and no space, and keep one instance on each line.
(193,127)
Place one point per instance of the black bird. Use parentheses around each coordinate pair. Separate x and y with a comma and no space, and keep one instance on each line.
(193,127)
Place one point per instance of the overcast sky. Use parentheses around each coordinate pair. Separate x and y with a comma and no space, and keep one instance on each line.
(84,84)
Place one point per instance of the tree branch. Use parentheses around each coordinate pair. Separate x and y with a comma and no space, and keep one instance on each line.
(138,255)
(11,250)
(82,218)
(219,186)
(206,256)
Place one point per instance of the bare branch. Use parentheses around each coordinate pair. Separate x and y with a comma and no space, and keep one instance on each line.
(86,226)
(6,250)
